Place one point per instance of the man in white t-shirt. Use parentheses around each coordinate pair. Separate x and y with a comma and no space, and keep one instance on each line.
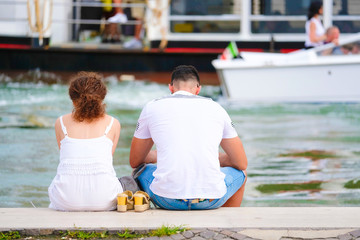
(187,130)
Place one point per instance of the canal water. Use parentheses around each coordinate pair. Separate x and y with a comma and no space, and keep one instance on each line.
(299,154)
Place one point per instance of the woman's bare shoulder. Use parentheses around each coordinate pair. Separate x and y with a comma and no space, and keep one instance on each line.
(65,118)
(116,121)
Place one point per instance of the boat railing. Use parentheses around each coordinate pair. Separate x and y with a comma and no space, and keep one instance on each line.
(38,15)
(247,20)
(235,20)
(342,41)
(75,20)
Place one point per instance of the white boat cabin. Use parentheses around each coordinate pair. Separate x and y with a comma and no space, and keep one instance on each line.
(183,23)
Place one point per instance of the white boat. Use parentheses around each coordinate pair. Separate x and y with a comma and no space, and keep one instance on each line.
(311,75)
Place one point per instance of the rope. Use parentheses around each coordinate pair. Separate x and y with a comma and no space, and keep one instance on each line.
(50,15)
(38,26)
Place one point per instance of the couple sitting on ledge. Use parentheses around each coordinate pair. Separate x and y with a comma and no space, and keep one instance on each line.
(185,172)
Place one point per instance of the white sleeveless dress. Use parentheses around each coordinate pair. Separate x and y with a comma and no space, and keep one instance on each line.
(85,179)
(320,30)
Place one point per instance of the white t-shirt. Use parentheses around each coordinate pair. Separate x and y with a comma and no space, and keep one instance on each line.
(187,131)
(320,30)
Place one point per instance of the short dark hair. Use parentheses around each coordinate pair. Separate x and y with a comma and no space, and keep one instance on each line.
(184,73)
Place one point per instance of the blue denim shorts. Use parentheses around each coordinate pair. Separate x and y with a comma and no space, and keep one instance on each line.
(234,179)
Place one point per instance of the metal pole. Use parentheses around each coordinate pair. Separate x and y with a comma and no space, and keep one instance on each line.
(77,16)
(327,13)
(245,18)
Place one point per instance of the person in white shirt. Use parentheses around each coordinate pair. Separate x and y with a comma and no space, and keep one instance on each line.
(87,138)
(187,129)
(315,31)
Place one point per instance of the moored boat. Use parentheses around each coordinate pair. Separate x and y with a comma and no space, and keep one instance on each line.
(46,31)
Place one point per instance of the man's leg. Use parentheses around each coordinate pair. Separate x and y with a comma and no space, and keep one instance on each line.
(118,9)
(235,182)
(136,42)
(119,16)
(138,28)
(236,199)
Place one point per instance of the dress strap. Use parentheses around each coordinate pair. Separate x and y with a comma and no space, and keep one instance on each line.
(63,126)
(109,127)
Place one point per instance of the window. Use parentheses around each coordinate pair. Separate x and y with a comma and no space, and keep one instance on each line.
(347,15)
(199,16)
(278,16)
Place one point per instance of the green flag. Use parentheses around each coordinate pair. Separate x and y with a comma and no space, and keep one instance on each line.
(230,52)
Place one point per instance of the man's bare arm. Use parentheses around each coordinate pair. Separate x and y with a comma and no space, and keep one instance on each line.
(140,152)
(234,155)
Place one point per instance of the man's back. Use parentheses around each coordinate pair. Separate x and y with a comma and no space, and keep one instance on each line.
(187,130)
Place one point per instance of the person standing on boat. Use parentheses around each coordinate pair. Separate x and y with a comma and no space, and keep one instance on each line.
(134,14)
(111,32)
(87,138)
(187,130)
(315,31)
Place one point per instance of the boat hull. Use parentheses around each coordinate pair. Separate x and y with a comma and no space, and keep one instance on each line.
(303,83)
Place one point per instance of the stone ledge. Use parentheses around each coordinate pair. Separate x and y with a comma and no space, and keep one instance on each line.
(223,223)
(247,217)
(218,234)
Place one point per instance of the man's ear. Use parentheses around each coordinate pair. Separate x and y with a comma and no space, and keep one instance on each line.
(171,88)
(198,89)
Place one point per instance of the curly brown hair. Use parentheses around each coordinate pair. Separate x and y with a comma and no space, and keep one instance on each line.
(87,92)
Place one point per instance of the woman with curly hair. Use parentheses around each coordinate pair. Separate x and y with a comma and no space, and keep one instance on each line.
(87,138)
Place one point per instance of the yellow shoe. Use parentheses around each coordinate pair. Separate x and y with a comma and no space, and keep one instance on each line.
(125,201)
(142,201)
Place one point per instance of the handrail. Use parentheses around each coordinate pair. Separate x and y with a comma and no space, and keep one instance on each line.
(81,4)
(345,17)
(278,18)
(298,18)
(76,4)
(342,41)
(223,17)
(72,21)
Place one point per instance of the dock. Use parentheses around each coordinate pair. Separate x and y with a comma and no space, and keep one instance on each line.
(102,57)
(64,60)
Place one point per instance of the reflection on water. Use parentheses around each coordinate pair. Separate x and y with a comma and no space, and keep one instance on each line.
(299,154)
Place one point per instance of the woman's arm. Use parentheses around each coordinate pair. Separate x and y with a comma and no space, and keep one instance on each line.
(116,128)
(58,132)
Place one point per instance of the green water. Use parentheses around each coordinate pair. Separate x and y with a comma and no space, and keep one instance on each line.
(299,154)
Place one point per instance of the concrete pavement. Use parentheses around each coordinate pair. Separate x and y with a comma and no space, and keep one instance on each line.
(233,223)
